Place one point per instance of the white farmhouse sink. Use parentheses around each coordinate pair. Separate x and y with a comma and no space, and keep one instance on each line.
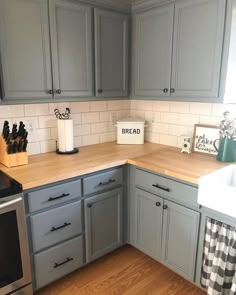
(217,190)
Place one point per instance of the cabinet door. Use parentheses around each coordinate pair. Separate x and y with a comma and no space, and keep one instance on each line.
(180,236)
(71,37)
(111,53)
(152,51)
(103,223)
(25,49)
(148,223)
(197,48)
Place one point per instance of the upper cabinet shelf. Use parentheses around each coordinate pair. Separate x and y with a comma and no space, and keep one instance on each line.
(178,50)
(47,50)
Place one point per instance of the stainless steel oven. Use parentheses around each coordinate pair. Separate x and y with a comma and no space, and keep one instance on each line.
(15,273)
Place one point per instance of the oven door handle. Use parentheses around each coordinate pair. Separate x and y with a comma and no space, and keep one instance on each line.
(9,203)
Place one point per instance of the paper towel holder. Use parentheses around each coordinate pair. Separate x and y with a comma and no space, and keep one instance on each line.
(64,147)
(74,151)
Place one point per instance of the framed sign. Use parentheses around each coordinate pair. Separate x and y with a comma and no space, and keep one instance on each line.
(206,139)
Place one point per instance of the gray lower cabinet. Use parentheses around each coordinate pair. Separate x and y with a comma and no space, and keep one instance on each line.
(164,220)
(178,50)
(166,231)
(103,223)
(148,223)
(111,53)
(180,238)
(58,261)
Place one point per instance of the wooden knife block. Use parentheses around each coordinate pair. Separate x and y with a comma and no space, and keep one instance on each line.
(11,160)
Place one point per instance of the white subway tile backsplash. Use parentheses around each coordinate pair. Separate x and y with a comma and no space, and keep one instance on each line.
(210,120)
(33,148)
(90,139)
(180,107)
(160,128)
(169,118)
(47,121)
(96,106)
(188,120)
(90,118)
(44,134)
(32,110)
(109,136)
(104,116)
(161,106)
(99,128)
(94,120)
(201,108)
(48,146)
(80,107)
(170,140)
(218,109)
(80,130)
(179,130)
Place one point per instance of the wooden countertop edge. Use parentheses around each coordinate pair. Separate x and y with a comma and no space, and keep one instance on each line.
(163,171)
(41,182)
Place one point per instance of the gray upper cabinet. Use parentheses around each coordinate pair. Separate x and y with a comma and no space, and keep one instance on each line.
(148,223)
(25,49)
(197,48)
(46,51)
(71,39)
(180,238)
(152,51)
(103,223)
(178,49)
(111,53)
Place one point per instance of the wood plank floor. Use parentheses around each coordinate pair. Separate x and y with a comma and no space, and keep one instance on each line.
(126,271)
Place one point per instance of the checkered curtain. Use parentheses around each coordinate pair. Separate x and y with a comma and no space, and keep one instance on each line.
(219,259)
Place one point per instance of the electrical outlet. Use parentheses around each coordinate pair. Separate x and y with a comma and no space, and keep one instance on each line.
(30,126)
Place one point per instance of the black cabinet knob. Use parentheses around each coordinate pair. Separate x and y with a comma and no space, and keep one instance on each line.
(172,90)
(165,207)
(58,91)
(99,90)
(89,205)
(165,90)
(158,204)
(50,91)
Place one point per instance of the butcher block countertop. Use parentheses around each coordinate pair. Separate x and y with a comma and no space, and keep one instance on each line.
(51,167)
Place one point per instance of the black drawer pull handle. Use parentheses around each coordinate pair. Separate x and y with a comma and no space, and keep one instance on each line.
(64,262)
(158,204)
(106,183)
(89,205)
(161,187)
(59,197)
(61,226)
(165,207)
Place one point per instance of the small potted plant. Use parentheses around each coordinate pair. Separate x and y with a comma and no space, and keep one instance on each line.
(226,152)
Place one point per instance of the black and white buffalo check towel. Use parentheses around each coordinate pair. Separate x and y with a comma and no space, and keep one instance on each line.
(219,259)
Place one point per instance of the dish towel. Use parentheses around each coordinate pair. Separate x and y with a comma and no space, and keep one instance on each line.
(219,259)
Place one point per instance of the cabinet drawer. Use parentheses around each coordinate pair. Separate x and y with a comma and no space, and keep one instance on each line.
(166,187)
(102,181)
(55,225)
(57,194)
(58,261)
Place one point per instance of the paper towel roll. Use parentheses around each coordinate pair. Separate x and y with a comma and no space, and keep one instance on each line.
(65,135)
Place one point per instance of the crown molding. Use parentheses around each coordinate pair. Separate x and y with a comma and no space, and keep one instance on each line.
(122,6)
(145,4)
